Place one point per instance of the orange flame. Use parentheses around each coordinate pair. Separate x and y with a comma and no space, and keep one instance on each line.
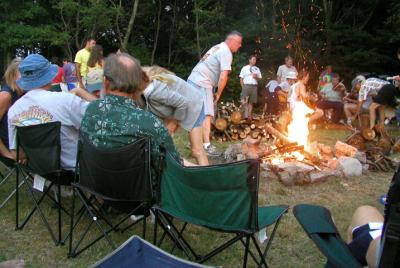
(298,127)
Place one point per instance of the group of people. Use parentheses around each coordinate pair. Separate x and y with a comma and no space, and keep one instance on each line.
(332,100)
(114,100)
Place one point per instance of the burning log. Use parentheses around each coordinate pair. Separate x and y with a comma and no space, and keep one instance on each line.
(273,131)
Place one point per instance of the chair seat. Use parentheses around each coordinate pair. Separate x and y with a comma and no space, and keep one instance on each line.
(270,214)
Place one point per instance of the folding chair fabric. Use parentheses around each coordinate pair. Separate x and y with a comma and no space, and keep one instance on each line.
(41,144)
(220,197)
(318,224)
(115,174)
(121,177)
(136,252)
(42,147)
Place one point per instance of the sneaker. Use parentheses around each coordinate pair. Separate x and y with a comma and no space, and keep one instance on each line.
(136,218)
(211,150)
(349,121)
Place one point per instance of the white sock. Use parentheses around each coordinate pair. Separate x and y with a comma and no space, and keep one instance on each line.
(205,145)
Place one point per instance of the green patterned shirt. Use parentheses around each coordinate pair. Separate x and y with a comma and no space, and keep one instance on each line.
(115,121)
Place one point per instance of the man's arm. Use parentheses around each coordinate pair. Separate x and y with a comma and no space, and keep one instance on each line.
(241,82)
(78,74)
(83,94)
(223,79)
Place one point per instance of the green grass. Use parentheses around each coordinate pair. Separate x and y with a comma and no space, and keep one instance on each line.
(291,247)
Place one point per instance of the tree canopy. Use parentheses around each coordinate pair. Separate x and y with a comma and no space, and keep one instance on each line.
(352,36)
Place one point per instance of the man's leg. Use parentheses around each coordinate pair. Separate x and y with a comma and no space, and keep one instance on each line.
(195,136)
(319,112)
(337,107)
(363,215)
(250,110)
(206,129)
(349,110)
(372,114)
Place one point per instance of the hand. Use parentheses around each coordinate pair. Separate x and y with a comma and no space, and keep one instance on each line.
(397,78)
(171,125)
(255,76)
(216,98)
(10,154)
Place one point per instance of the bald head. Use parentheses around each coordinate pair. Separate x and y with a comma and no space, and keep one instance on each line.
(123,73)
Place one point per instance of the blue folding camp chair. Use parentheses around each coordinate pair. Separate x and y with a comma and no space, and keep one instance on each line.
(136,252)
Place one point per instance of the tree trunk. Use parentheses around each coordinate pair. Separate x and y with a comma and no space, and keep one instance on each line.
(171,35)
(196,12)
(328,17)
(153,53)
(130,25)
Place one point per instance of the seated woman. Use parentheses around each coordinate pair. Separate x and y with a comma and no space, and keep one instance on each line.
(351,100)
(9,94)
(177,103)
(94,78)
(364,235)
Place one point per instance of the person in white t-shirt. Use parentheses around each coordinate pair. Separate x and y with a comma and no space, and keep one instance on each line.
(212,71)
(249,76)
(284,69)
(39,105)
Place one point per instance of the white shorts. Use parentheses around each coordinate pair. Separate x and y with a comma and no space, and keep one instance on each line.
(208,99)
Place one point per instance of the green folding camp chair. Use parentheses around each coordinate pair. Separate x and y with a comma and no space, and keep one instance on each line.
(318,224)
(223,198)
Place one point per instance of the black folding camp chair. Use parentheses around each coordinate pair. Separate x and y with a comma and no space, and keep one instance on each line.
(42,147)
(223,198)
(119,177)
(8,169)
(136,252)
(318,224)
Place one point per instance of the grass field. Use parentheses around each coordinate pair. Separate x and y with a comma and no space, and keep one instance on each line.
(291,247)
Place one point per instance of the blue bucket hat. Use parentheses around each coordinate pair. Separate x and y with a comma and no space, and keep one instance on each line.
(36,71)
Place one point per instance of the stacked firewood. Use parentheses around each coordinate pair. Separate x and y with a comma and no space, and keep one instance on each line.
(230,126)
(376,143)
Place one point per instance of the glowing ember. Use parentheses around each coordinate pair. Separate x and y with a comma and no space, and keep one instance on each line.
(298,127)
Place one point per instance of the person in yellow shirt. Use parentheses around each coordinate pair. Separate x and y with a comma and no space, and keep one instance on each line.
(81,61)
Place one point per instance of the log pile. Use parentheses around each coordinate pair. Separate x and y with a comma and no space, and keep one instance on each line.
(230,126)
(377,145)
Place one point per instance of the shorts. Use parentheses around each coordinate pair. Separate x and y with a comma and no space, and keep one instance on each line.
(251,92)
(387,95)
(208,99)
(362,238)
(72,85)
(200,119)
(365,105)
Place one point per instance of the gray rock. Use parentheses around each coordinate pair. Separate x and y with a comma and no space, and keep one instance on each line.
(350,166)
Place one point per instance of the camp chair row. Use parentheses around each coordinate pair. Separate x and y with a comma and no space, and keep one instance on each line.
(222,198)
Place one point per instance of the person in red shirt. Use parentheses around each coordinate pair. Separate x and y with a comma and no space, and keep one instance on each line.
(55,84)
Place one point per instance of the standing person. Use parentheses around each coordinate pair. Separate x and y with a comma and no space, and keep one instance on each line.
(212,71)
(284,69)
(9,94)
(249,76)
(70,74)
(81,60)
(178,103)
(94,78)
(115,120)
